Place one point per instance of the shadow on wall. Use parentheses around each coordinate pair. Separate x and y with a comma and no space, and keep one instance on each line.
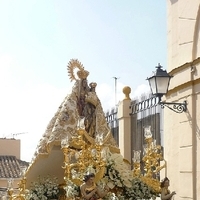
(173,1)
(197,127)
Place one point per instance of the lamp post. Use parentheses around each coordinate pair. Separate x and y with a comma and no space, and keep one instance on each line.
(159,84)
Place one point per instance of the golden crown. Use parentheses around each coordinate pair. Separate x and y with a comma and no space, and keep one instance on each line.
(82,74)
(91,98)
(93,85)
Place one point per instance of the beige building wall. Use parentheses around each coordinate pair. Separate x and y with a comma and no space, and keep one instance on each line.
(10,147)
(181,131)
(183,31)
(4,183)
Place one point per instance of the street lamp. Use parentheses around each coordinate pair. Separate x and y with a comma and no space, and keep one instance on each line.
(159,84)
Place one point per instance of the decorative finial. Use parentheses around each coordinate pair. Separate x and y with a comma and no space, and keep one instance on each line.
(127,91)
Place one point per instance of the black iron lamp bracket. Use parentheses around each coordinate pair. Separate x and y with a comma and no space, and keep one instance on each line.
(176,107)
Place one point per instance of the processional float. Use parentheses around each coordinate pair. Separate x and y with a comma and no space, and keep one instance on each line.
(87,144)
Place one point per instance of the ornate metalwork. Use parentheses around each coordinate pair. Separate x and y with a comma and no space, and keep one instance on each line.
(151,160)
(111,117)
(137,107)
(176,107)
(80,155)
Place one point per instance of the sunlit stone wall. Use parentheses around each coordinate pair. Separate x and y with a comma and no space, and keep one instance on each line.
(181,131)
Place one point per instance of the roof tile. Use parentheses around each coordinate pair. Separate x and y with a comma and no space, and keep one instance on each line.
(10,166)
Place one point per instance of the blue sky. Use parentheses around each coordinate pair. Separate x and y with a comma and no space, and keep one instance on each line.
(112,38)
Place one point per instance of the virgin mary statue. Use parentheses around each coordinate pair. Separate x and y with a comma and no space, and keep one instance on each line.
(80,110)
(79,137)
(81,104)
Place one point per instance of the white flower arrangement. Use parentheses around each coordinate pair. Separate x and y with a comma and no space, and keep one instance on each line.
(139,190)
(117,171)
(43,189)
(120,179)
(71,189)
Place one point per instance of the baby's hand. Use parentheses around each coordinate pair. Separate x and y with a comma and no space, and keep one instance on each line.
(173,193)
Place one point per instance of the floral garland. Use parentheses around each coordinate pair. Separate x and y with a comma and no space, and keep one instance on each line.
(43,189)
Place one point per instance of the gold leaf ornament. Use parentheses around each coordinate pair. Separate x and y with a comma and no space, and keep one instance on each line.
(81,73)
(99,175)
